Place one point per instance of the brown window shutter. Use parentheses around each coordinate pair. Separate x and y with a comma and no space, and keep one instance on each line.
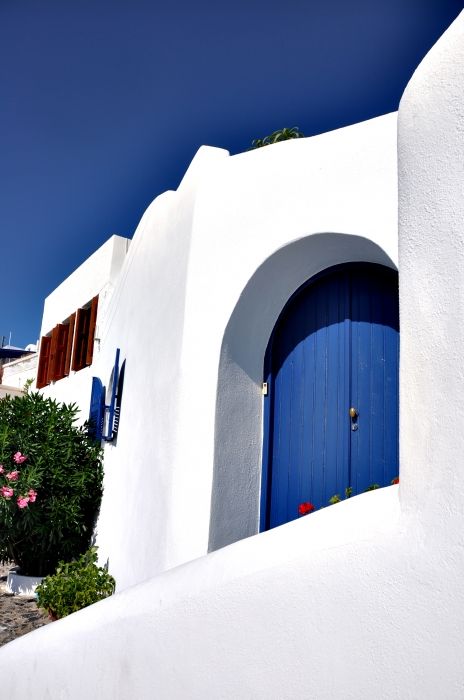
(67,363)
(52,355)
(59,360)
(44,357)
(80,339)
(91,336)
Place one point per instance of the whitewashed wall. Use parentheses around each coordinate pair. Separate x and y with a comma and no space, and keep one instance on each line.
(99,270)
(360,600)
(97,275)
(145,320)
(18,372)
(431,185)
(211,267)
(12,391)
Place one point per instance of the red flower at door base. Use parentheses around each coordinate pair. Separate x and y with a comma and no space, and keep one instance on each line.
(396,480)
(305,508)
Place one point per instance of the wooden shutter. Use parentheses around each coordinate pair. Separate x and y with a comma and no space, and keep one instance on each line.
(44,359)
(67,363)
(80,339)
(111,409)
(58,350)
(91,334)
(97,409)
(84,336)
(52,355)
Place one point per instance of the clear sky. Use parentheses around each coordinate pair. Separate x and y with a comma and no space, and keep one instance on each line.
(103,104)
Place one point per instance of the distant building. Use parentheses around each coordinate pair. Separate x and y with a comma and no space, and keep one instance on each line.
(16,365)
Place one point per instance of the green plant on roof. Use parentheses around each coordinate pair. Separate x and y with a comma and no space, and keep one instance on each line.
(284,134)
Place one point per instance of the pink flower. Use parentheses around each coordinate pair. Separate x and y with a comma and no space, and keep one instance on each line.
(2,468)
(32,495)
(19,458)
(7,492)
(22,501)
(12,476)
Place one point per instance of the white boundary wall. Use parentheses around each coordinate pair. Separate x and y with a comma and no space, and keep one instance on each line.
(18,372)
(363,599)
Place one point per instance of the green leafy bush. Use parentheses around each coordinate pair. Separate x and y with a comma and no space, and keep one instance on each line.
(50,483)
(280,135)
(75,586)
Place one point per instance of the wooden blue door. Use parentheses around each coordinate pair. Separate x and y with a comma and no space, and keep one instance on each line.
(335,347)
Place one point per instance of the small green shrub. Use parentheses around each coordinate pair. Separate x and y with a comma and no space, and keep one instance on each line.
(336,497)
(75,586)
(284,134)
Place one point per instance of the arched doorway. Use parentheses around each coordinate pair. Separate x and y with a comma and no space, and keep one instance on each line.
(335,347)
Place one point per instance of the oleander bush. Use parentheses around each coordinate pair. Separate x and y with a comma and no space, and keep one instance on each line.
(75,585)
(51,477)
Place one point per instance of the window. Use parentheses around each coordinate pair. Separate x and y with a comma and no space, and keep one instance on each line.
(68,346)
(84,336)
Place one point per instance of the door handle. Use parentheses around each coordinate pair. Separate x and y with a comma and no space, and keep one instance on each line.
(353,415)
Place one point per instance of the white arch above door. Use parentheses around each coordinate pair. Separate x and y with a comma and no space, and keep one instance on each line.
(238,422)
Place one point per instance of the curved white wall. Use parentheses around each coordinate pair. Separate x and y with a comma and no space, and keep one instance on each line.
(431,177)
(211,266)
(145,319)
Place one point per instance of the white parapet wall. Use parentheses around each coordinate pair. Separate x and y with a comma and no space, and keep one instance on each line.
(344,603)
(12,391)
(20,371)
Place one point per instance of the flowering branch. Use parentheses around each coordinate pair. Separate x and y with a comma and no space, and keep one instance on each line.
(24,495)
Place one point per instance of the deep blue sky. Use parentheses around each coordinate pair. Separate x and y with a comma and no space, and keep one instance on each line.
(103,104)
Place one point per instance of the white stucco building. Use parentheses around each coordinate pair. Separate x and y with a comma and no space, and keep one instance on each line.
(362,599)
(70,341)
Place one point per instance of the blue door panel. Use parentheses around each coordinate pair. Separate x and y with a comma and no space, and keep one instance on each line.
(334,346)
(374,371)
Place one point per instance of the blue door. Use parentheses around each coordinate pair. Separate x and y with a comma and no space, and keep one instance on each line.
(331,412)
